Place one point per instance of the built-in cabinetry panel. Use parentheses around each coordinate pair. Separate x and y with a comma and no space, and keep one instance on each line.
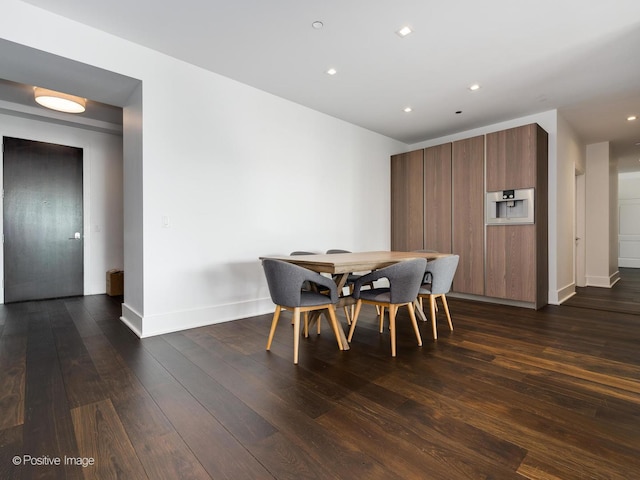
(437,198)
(407,201)
(467,163)
(511,268)
(438,202)
(517,255)
(509,155)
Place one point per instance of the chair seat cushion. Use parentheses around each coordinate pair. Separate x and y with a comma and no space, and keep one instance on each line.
(382,295)
(309,299)
(425,289)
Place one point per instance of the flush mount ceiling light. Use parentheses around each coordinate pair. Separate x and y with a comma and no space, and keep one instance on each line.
(404,31)
(317,24)
(62,102)
(407,109)
(332,71)
(474,87)
(631,118)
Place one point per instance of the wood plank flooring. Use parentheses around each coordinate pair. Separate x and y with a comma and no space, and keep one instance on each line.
(510,394)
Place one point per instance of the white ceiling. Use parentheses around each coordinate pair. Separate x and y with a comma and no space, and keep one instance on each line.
(582,58)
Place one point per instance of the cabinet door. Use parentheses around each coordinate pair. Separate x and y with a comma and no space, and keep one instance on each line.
(467,163)
(437,198)
(511,262)
(512,158)
(407,201)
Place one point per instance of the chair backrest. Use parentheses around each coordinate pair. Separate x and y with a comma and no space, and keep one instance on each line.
(285,281)
(405,279)
(337,250)
(300,252)
(442,271)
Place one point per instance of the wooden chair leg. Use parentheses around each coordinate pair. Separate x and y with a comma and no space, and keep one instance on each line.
(392,327)
(380,317)
(334,325)
(296,334)
(274,322)
(432,312)
(354,320)
(446,310)
(306,325)
(414,322)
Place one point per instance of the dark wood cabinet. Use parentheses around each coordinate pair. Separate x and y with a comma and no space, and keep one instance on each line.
(517,255)
(511,158)
(407,201)
(437,198)
(511,269)
(438,202)
(467,164)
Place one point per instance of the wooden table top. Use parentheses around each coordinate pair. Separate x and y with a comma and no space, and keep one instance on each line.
(337,263)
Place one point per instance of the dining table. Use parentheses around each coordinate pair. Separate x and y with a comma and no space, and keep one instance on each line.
(340,265)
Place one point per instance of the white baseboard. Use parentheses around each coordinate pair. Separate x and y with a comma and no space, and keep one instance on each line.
(604,282)
(131,319)
(566,293)
(183,320)
(629,262)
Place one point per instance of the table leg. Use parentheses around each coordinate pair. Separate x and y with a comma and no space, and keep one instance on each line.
(418,308)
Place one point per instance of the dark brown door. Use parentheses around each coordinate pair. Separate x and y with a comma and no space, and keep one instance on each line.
(43,246)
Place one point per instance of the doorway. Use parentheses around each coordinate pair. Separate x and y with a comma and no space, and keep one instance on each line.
(43,220)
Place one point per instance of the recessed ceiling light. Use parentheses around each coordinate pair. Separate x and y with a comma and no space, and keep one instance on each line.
(474,87)
(317,24)
(404,31)
(407,109)
(332,71)
(631,118)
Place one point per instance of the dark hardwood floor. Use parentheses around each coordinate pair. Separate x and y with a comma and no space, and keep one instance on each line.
(511,393)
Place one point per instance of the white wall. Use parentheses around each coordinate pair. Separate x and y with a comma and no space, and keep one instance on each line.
(133,308)
(629,218)
(225,173)
(248,174)
(102,186)
(571,160)
(601,178)
(613,220)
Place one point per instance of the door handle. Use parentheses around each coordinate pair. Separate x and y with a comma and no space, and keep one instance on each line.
(76,236)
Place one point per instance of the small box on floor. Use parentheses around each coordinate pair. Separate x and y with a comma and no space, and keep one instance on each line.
(115,282)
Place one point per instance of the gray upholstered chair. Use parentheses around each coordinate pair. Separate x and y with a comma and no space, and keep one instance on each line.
(285,281)
(404,282)
(306,285)
(440,272)
(351,279)
(427,277)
